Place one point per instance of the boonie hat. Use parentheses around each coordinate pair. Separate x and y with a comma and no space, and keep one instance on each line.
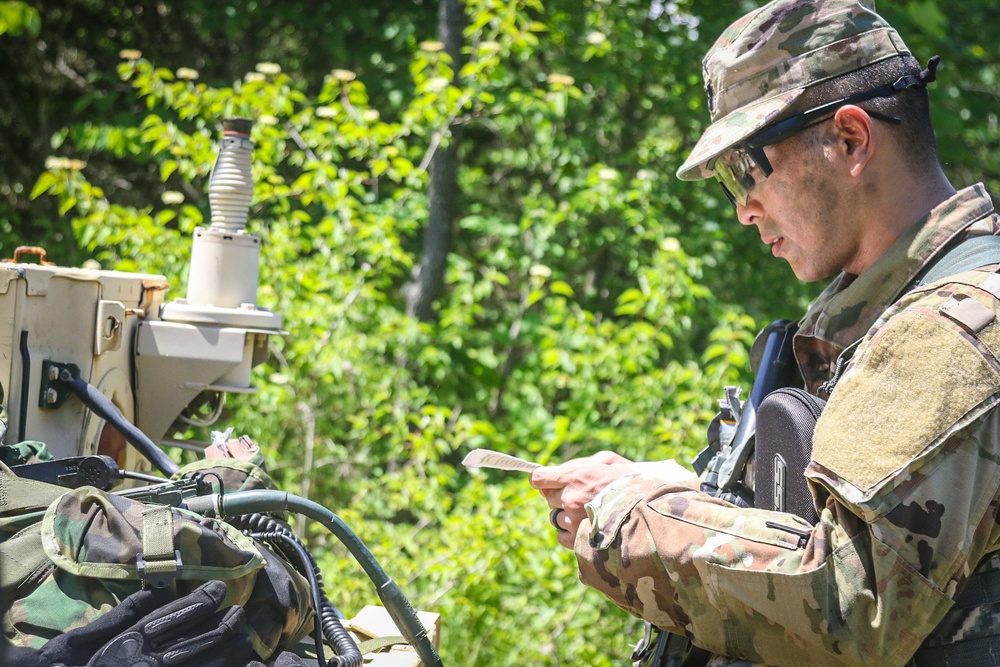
(764,61)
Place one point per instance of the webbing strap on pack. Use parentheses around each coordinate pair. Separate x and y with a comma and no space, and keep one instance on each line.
(19,495)
(159,563)
(380,643)
(970,254)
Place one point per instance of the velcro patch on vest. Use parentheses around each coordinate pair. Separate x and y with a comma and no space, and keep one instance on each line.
(968,313)
(916,380)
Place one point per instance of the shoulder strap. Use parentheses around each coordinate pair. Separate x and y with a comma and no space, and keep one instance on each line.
(972,253)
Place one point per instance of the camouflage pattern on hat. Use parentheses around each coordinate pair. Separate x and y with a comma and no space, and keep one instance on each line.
(765,60)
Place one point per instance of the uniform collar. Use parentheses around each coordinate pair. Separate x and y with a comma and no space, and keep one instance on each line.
(850,305)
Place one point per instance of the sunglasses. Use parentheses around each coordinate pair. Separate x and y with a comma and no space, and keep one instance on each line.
(737,170)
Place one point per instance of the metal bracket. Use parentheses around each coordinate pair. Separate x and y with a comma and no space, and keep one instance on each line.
(109,326)
(53,391)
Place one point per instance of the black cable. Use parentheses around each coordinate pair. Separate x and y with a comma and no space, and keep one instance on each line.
(25,383)
(278,536)
(107,410)
(348,653)
(396,604)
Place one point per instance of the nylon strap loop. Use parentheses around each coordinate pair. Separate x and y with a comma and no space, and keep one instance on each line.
(379,643)
(159,563)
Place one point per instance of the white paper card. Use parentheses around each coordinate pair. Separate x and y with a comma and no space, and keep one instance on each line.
(487,458)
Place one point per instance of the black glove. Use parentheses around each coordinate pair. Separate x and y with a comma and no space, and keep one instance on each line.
(285,659)
(147,628)
(189,632)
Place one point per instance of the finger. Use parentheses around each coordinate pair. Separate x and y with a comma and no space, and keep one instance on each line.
(119,651)
(185,612)
(77,646)
(566,539)
(548,494)
(134,607)
(609,458)
(548,477)
(287,659)
(22,656)
(555,498)
(571,517)
(569,522)
(236,653)
(228,645)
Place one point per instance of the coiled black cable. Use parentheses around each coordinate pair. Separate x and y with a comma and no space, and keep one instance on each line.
(328,625)
(396,605)
(277,536)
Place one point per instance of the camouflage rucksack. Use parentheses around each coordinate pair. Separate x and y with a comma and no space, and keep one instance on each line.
(69,556)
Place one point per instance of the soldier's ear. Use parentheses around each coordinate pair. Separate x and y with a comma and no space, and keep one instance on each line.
(856,140)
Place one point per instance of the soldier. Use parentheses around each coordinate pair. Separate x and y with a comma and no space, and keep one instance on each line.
(821,138)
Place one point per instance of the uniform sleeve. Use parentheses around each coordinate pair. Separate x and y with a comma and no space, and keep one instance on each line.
(905,472)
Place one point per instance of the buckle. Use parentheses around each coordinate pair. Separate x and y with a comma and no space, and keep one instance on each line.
(642,647)
(159,573)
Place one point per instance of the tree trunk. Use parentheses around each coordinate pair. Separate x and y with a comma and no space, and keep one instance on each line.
(428,279)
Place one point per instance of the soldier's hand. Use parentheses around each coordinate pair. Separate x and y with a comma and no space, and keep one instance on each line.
(569,486)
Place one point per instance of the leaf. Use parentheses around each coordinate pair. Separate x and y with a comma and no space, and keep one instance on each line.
(166,169)
(45,182)
(928,17)
(66,204)
(561,287)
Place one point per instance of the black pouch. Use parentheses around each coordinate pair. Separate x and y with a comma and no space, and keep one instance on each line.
(786,420)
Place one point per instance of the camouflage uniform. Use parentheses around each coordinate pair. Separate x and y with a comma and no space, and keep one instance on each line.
(905,469)
(905,474)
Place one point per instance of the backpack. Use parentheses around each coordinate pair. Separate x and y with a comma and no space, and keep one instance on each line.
(69,556)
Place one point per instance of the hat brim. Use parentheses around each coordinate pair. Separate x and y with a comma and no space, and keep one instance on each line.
(731,130)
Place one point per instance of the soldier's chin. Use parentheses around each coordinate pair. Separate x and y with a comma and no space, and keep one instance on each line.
(808,273)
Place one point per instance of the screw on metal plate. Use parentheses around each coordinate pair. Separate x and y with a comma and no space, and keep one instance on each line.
(55,376)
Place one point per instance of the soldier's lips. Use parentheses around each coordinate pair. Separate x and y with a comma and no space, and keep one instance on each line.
(775,243)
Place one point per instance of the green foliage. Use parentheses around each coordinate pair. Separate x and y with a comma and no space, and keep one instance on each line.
(530,354)
(592,302)
(17,17)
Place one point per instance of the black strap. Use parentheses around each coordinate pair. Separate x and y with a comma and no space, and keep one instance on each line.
(977,652)
(973,253)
